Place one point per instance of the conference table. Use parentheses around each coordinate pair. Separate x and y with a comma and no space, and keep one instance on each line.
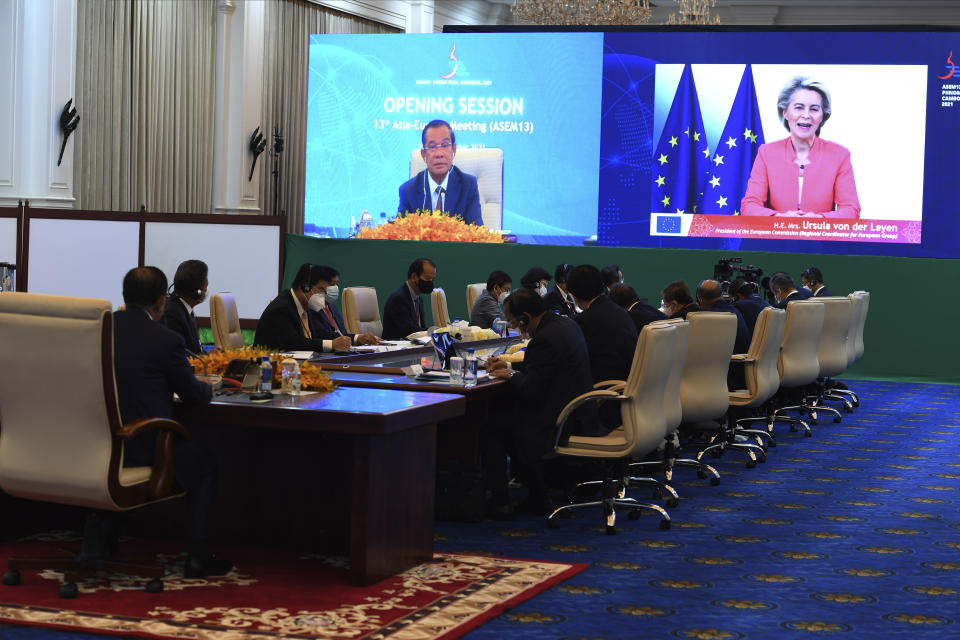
(382,442)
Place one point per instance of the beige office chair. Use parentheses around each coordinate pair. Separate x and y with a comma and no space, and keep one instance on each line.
(833,352)
(361,311)
(859,301)
(760,372)
(438,304)
(487,166)
(473,292)
(644,425)
(798,364)
(225,321)
(65,444)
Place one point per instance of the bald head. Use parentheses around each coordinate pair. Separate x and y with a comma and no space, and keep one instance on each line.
(708,293)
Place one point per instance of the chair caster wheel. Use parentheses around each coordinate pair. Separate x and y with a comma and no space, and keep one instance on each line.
(11,578)
(673,502)
(664,524)
(714,481)
(701,474)
(751,464)
(69,590)
(155,586)
(762,459)
(814,421)
(837,419)
(553,524)
(771,443)
(611,530)
(715,453)
(793,428)
(807,434)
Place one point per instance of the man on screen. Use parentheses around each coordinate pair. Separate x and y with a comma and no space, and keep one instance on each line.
(441,185)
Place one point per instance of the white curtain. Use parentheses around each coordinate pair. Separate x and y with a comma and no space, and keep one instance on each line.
(145,78)
(288,25)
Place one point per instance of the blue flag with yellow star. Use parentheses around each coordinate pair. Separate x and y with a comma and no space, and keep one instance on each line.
(733,158)
(682,157)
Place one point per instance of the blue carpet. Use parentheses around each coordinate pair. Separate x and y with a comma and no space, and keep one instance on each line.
(853,533)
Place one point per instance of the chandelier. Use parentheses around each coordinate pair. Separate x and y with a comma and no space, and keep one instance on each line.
(582,12)
(694,12)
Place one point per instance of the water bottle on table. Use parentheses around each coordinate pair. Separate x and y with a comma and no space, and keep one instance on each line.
(286,374)
(470,369)
(266,374)
(500,326)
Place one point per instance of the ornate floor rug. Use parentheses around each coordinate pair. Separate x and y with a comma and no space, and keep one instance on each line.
(271,594)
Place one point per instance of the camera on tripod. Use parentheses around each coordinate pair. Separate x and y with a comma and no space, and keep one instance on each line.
(727,269)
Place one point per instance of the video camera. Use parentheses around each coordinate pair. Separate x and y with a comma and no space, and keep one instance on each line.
(727,269)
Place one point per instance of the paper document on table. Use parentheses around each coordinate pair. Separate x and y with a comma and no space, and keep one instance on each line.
(299,355)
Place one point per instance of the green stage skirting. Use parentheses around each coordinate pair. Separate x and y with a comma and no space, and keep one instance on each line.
(909,332)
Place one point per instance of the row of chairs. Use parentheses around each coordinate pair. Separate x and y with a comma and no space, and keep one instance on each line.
(361,313)
(679,376)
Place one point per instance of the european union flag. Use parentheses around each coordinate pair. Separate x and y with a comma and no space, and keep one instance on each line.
(668,224)
(733,159)
(682,158)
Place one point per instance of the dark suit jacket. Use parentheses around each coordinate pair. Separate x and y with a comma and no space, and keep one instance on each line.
(611,338)
(823,292)
(556,369)
(556,301)
(799,294)
(176,318)
(320,318)
(461,198)
(750,308)
(643,314)
(683,312)
(280,328)
(400,316)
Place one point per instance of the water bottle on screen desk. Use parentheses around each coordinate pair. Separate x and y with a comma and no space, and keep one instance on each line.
(470,369)
(266,374)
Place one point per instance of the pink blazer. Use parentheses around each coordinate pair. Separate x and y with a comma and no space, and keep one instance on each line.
(827,181)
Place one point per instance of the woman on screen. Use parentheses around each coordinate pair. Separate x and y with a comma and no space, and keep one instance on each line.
(803,174)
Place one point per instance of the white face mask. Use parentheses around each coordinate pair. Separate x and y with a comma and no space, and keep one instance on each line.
(542,290)
(333,292)
(317,302)
(503,296)
(807,287)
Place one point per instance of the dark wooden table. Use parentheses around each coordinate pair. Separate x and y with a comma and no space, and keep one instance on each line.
(388,438)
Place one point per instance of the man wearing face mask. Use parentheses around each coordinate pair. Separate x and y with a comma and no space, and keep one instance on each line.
(489,304)
(559,298)
(287,323)
(536,279)
(404,313)
(812,280)
(327,316)
(555,370)
(785,291)
(189,289)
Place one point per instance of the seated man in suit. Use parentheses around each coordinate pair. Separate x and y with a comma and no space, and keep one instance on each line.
(677,301)
(151,365)
(441,186)
(403,313)
(812,281)
(747,302)
(608,330)
(640,312)
(555,370)
(612,276)
(558,298)
(489,303)
(710,298)
(785,291)
(536,279)
(189,289)
(287,323)
(328,284)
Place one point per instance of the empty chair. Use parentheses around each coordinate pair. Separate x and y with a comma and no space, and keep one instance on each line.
(832,351)
(473,292)
(225,321)
(361,311)
(643,428)
(70,451)
(760,371)
(438,304)
(798,364)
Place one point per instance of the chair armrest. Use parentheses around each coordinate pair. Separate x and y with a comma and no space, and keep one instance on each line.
(742,357)
(160,484)
(610,385)
(583,398)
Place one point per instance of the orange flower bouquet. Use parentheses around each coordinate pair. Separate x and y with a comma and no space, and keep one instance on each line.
(431,225)
(311,375)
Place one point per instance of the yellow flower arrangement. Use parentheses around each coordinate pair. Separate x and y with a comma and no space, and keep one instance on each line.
(311,376)
(431,225)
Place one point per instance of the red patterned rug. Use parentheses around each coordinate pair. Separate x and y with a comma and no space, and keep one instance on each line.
(272,594)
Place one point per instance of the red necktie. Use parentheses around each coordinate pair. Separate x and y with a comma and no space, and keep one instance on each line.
(330,319)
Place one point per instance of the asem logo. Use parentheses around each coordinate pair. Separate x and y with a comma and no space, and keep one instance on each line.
(668,224)
(453,63)
(952,69)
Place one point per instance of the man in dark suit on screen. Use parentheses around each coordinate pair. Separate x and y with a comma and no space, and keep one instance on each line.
(441,185)
(403,313)
(151,364)
(189,289)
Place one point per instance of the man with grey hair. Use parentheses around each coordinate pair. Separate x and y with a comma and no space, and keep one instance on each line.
(802,175)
